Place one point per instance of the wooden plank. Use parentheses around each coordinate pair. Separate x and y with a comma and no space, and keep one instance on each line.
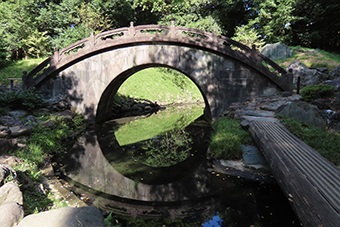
(310,182)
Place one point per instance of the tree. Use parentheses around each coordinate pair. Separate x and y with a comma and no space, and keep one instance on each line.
(272,19)
(71,35)
(17,21)
(188,13)
(3,51)
(248,37)
(229,14)
(118,12)
(317,24)
(38,44)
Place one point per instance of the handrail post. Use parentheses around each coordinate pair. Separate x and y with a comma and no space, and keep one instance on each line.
(92,39)
(24,80)
(253,52)
(298,84)
(132,29)
(214,35)
(172,29)
(290,80)
(56,55)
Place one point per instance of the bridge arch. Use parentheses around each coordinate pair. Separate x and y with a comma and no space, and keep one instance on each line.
(92,75)
(105,103)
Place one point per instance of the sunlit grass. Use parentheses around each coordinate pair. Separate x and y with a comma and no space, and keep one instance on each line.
(166,120)
(15,69)
(321,59)
(162,85)
(227,138)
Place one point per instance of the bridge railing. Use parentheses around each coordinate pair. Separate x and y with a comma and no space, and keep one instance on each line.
(133,33)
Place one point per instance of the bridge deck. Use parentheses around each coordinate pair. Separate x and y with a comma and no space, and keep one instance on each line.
(310,182)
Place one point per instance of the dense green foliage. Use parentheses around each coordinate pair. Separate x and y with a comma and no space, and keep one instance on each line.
(316,91)
(227,138)
(27,100)
(31,28)
(248,37)
(317,24)
(326,143)
(272,19)
(167,150)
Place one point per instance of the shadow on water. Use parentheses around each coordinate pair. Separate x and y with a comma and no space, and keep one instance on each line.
(156,168)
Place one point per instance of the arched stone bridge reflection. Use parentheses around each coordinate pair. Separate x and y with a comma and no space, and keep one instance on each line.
(91,70)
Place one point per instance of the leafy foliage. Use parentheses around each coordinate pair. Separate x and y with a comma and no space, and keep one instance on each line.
(35,28)
(227,138)
(189,13)
(28,99)
(3,54)
(272,19)
(248,37)
(317,24)
(38,44)
(167,150)
(313,92)
(71,35)
(326,143)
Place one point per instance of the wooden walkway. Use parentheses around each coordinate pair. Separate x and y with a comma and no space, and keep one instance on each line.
(309,181)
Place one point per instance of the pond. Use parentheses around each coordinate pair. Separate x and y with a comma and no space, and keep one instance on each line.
(154,171)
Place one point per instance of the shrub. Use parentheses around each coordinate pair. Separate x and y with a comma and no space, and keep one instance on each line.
(317,91)
(227,139)
(27,100)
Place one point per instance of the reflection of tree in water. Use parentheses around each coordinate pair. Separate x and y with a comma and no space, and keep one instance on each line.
(165,150)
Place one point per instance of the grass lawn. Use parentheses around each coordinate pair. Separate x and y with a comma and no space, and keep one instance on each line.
(320,59)
(162,85)
(15,69)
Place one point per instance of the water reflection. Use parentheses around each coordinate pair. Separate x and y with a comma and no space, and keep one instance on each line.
(135,170)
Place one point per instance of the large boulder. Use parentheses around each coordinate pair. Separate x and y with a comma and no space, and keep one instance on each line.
(11,213)
(4,131)
(10,121)
(18,113)
(10,192)
(307,76)
(277,51)
(21,130)
(303,112)
(6,173)
(335,83)
(66,217)
(7,145)
(10,160)
(334,74)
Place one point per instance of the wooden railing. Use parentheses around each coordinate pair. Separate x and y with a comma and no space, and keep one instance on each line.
(133,33)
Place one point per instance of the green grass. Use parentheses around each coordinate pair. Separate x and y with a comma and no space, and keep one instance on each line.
(15,69)
(227,138)
(327,143)
(321,59)
(39,146)
(160,84)
(154,125)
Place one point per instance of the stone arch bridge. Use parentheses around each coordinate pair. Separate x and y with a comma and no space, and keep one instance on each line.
(91,70)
